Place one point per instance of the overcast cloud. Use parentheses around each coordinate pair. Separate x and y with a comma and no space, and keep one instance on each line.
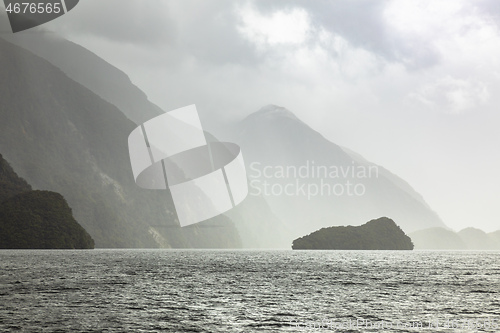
(410,85)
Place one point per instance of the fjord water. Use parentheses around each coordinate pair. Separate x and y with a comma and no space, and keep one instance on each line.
(249,291)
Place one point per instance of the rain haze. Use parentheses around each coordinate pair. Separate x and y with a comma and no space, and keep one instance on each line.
(409,85)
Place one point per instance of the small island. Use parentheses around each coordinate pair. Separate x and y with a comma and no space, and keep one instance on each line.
(379,234)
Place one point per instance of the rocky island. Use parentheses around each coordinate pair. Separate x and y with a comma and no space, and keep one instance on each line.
(379,234)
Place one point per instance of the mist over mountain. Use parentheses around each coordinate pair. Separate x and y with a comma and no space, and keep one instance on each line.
(255,221)
(258,225)
(477,239)
(62,137)
(466,239)
(310,182)
(88,160)
(91,71)
(437,239)
(495,236)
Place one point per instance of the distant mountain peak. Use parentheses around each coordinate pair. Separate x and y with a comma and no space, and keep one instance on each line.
(274,138)
(271,112)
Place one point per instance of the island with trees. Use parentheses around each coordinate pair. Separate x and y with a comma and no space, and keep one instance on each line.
(379,234)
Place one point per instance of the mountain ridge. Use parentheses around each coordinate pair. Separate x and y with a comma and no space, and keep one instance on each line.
(31,219)
(91,71)
(466,239)
(276,117)
(60,136)
(274,136)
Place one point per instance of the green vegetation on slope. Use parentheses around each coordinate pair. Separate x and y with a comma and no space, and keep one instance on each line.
(62,137)
(10,183)
(36,219)
(40,220)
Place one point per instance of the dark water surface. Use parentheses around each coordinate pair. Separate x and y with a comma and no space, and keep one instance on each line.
(249,291)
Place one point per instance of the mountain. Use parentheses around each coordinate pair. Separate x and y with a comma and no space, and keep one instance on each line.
(258,226)
(476,239)
(36,219)
(91,71)
(40,220)
(10,183)
(437,239)
(466,239)
(495,236)
(62,137)
(261,220)
(255,221)
(310,182)
(379,234)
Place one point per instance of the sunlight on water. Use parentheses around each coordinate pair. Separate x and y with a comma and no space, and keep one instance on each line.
(246,291)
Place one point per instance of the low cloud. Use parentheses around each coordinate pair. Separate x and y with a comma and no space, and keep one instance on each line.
(452,95)
(132,22)
(364,73)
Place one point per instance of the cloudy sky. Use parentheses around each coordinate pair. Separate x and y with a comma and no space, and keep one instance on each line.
(410,85)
